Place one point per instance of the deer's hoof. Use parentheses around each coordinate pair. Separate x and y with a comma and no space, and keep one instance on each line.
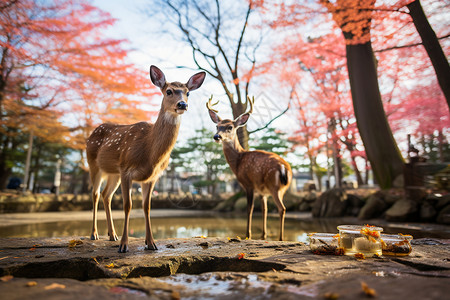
(151,246)
(123,248)
(113,237)
(94,236)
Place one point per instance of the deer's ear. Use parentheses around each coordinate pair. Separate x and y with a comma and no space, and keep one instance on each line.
(241,120)
(157,77)
(196,81)
(214,117)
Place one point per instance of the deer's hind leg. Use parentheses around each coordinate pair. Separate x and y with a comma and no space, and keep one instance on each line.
(96,180)
(264,217)
(278,198)
(112,184)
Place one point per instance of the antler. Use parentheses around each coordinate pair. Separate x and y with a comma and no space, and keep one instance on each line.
(209,105)
(251,101)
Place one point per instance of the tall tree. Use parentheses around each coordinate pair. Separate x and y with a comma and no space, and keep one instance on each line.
(432,46)
(53,56)
(354,18)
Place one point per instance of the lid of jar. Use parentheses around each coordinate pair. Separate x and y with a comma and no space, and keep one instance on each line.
(358,228)
(396,237)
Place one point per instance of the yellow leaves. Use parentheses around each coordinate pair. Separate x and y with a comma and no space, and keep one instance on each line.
(110,266)
(200,237)
(74,243)
(331,296)
(367,290)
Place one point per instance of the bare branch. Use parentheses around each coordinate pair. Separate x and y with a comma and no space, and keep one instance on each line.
(273,119)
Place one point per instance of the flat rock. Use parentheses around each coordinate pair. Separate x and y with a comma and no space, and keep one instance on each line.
(79,268)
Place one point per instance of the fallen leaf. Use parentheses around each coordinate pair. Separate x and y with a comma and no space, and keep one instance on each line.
(31,283)
(6,278)
(95,259)
(367,290)
(4,257)
(74,243)
(175,295)
(360,256)
(54,286)
(240,255)
(331,296)
(32,249)
(110,266)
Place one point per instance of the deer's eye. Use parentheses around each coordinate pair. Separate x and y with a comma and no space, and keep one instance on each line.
(169,92)
(229,128)
(187,94)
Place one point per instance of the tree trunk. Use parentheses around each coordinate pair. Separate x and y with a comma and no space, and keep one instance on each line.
(381,148)
(238,108)
(357,172)
(432,46)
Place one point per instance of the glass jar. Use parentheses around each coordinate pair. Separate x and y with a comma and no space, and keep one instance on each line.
(396,244)
(325,243)
(360,240)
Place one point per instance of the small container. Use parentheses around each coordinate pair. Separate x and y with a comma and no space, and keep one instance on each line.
(360,241)
(396,244)
(325,243)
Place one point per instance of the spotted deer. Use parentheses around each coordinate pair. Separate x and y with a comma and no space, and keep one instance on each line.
(257,171)
(123,154)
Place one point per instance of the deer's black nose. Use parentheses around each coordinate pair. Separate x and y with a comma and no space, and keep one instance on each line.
(217,137)
(182,105)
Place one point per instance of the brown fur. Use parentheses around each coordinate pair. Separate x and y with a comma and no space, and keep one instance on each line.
(123,154)
(258,171)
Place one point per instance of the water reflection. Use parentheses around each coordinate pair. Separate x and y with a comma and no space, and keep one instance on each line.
(220,226)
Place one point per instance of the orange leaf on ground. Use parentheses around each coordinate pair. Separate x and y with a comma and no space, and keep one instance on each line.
(54,286)
(367,290)
(6,278)
(110,266)
(240,255)
(31,283)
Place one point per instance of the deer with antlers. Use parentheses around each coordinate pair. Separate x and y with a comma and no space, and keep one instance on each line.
(257,171)
(123,154)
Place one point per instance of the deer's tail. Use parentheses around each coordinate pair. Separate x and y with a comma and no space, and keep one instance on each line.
(284,175)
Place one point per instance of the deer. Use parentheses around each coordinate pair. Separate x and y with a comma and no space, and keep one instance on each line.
(123,154)
(261,172)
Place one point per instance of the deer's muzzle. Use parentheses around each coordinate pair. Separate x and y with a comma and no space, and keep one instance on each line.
(182,105)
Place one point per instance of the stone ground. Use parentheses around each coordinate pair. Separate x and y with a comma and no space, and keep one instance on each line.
(214,268)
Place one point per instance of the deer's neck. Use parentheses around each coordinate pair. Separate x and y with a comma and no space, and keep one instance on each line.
(164,134)
(233,152)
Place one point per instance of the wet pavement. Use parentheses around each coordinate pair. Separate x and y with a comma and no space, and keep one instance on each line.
(214,268)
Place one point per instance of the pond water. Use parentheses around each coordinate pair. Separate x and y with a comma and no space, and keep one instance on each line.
(219,225)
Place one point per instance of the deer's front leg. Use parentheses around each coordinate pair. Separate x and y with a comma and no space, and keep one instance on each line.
(147,189)
(250,205)
(126,195)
